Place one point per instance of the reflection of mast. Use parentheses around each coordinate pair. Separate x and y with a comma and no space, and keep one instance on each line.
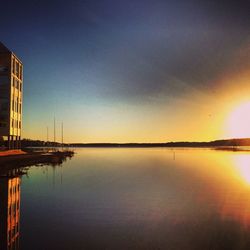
(61,174)
(9,211)
(54,182)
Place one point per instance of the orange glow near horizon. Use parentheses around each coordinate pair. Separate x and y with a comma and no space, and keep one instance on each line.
(194,116)
(238,123)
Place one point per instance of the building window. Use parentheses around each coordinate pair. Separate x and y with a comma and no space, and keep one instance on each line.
(13,65)
(17,85)
(21,72)
(10,235)
(17,69)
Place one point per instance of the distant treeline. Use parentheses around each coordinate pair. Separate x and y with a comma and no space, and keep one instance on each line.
(37,143)
(217,143)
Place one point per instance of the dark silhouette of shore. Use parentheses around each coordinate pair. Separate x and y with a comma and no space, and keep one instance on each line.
(216,143)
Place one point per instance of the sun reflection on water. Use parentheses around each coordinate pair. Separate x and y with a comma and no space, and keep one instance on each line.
(236,204)
(242,164)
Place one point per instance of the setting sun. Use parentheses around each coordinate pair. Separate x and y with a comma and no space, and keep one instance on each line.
(238,123)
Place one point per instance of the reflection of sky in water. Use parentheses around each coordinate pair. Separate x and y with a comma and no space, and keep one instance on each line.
(138,198)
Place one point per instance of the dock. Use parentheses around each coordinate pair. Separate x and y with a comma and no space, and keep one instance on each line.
(18,158)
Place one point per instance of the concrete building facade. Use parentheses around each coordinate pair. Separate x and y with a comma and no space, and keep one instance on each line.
(11,98)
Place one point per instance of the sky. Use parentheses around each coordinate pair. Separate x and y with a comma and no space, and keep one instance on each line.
(131,71)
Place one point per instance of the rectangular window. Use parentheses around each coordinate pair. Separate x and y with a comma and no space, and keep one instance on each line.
(17,69)
(21,72)
(9,236)
(13,65)
(17,84)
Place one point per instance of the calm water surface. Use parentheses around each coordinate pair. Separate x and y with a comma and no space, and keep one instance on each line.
(136,199)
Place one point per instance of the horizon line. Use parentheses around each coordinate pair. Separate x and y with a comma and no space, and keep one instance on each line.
(184,141)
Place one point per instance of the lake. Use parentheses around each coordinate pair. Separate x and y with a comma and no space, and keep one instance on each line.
(130,198)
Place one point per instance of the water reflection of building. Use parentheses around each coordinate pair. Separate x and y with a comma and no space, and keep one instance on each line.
(9,212)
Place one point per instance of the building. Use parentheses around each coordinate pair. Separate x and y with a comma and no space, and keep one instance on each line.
(11,93)
(10,212)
